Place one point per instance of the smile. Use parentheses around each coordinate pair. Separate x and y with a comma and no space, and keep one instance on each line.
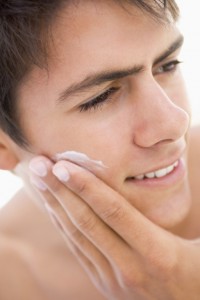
(158,173)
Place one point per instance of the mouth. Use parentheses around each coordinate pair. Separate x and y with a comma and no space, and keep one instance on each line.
(157,173)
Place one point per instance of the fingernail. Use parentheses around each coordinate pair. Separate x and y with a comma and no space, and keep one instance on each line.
(61,173)
(38,167)
(38,184)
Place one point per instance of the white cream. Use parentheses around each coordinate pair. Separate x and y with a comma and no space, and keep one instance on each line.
(80,159)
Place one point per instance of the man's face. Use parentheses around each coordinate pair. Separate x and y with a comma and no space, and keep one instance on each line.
(114,91)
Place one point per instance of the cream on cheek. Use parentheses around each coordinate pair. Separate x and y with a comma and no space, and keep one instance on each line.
(110,173)
(81,159)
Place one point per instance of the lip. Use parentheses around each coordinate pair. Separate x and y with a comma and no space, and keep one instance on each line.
(176,157)
(173,178)
(159,168)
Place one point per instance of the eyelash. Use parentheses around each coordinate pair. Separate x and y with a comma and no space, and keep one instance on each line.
(172,65)
(99,100)
(102,98)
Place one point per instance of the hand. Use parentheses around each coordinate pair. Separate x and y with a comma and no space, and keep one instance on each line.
(125,254)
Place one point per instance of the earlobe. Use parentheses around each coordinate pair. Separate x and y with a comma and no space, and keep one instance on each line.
(8,158)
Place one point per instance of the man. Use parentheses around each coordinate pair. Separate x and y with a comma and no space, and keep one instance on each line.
(95,89)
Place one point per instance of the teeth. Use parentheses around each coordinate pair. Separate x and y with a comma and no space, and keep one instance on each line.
(159,173)
(170,168)
(150,175)
(176,164)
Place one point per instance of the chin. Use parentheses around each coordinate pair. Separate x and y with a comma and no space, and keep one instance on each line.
(173,213)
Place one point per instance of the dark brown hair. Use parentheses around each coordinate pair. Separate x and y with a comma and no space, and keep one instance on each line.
(24,26)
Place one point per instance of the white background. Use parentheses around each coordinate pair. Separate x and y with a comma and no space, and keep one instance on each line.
(190,26)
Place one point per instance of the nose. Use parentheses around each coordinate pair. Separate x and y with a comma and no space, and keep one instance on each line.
(158,119)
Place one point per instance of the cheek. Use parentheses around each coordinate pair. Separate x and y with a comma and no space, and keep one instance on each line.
(104,135)
(106,140)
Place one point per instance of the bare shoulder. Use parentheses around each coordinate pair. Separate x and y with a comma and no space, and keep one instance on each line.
(16,278)
(34,260)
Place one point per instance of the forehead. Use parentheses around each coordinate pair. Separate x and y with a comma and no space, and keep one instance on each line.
(95,30)
(100,35)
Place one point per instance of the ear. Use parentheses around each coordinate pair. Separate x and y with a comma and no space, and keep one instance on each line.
(8,157)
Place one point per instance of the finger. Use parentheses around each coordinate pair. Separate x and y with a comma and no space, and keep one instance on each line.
(74,246)
(93,262)
(112,208)
(84,220)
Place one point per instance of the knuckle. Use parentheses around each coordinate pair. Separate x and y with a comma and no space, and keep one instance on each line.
(81,187)
(81,183)
(114,212)
(85,220)
(131,279)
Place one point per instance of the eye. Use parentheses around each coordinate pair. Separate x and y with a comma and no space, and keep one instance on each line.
(99,100)
(170,67)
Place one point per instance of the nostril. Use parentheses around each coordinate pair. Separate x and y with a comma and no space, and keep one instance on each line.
(166,141)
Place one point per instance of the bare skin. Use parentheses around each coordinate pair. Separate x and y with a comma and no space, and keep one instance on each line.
(32,249)
(38,253)
(35,250)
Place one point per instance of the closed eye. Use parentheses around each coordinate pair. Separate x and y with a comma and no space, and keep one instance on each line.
(99,100)
(168,67)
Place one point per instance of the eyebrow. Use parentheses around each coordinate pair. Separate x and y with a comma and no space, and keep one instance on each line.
(97,79)
(172,48)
